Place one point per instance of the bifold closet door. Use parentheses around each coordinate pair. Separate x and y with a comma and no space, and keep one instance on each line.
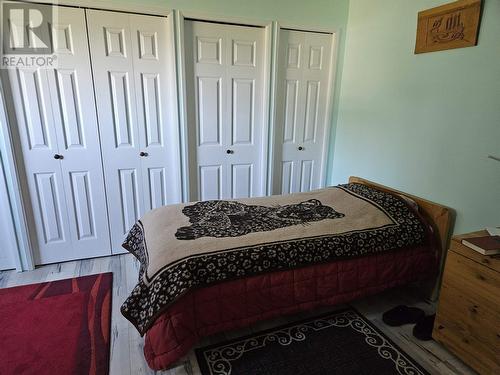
(57,124)
(224,73)
(132,65)
(7,230)
(304,65)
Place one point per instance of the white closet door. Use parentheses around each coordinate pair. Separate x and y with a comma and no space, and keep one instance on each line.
(225,65)
(7,230)
(153,57)
(302,100)
(112,63)
(55,113)
(132,64)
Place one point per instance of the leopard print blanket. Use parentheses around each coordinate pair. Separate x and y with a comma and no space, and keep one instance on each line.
(232,219)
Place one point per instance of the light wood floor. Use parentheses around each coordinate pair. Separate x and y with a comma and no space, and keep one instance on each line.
(127,346)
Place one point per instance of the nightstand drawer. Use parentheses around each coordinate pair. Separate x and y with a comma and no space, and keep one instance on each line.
(468,316)
(472,278)
(470,328)
(492,262)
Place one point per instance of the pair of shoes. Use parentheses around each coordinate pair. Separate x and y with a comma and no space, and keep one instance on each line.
(423,328)
(402,314)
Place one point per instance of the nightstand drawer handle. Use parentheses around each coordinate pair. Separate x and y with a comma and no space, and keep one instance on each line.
(473,309)
(440,326)
(485,261)
(480,277)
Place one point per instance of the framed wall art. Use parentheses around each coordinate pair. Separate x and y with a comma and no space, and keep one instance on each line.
(453,25)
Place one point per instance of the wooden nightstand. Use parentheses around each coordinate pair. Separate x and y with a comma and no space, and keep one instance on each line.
(468,315)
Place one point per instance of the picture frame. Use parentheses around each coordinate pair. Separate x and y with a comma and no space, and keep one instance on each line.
(449,26)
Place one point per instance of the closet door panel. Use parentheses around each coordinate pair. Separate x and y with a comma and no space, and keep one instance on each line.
(209,111)
(75,121)
(150,92)
(68,88)
(290,110)
(211,181)
(34,111)
(31,96)
(241,181)
(153,74)
(243,104)
(122,120)
(157,182)
(55,114)
(206,84)
(312,108)
(7,226)
(225,82)
(132,61)
(50,198)
(245,85)
(306,175)
(83,199)
(115,84)
(129,196)
(287,170)
(303,79)
(316,80)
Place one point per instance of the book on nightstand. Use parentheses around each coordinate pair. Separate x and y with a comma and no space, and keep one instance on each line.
(486,245)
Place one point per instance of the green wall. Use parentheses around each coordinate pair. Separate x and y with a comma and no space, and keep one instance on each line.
(421,123)
(323,13)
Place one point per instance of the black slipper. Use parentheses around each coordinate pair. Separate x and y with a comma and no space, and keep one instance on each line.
(423,328)
(402,315)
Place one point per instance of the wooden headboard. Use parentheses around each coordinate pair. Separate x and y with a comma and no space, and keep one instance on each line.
(439,216)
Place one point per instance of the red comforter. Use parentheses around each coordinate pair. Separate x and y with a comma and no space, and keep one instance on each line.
(238,303)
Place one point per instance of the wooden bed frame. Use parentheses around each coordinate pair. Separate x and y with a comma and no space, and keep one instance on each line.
(440,217)
(180,325)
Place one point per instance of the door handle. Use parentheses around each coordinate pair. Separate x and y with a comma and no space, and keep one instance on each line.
(301,148)
(58,157)
(229,151)
(143,154)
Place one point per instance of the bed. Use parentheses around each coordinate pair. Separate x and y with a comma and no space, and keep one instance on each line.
(208,267)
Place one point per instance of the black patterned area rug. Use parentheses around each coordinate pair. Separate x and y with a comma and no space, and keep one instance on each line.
(341,343)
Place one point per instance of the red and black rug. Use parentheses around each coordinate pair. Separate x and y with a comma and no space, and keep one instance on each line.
(341,343)
(59,327)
